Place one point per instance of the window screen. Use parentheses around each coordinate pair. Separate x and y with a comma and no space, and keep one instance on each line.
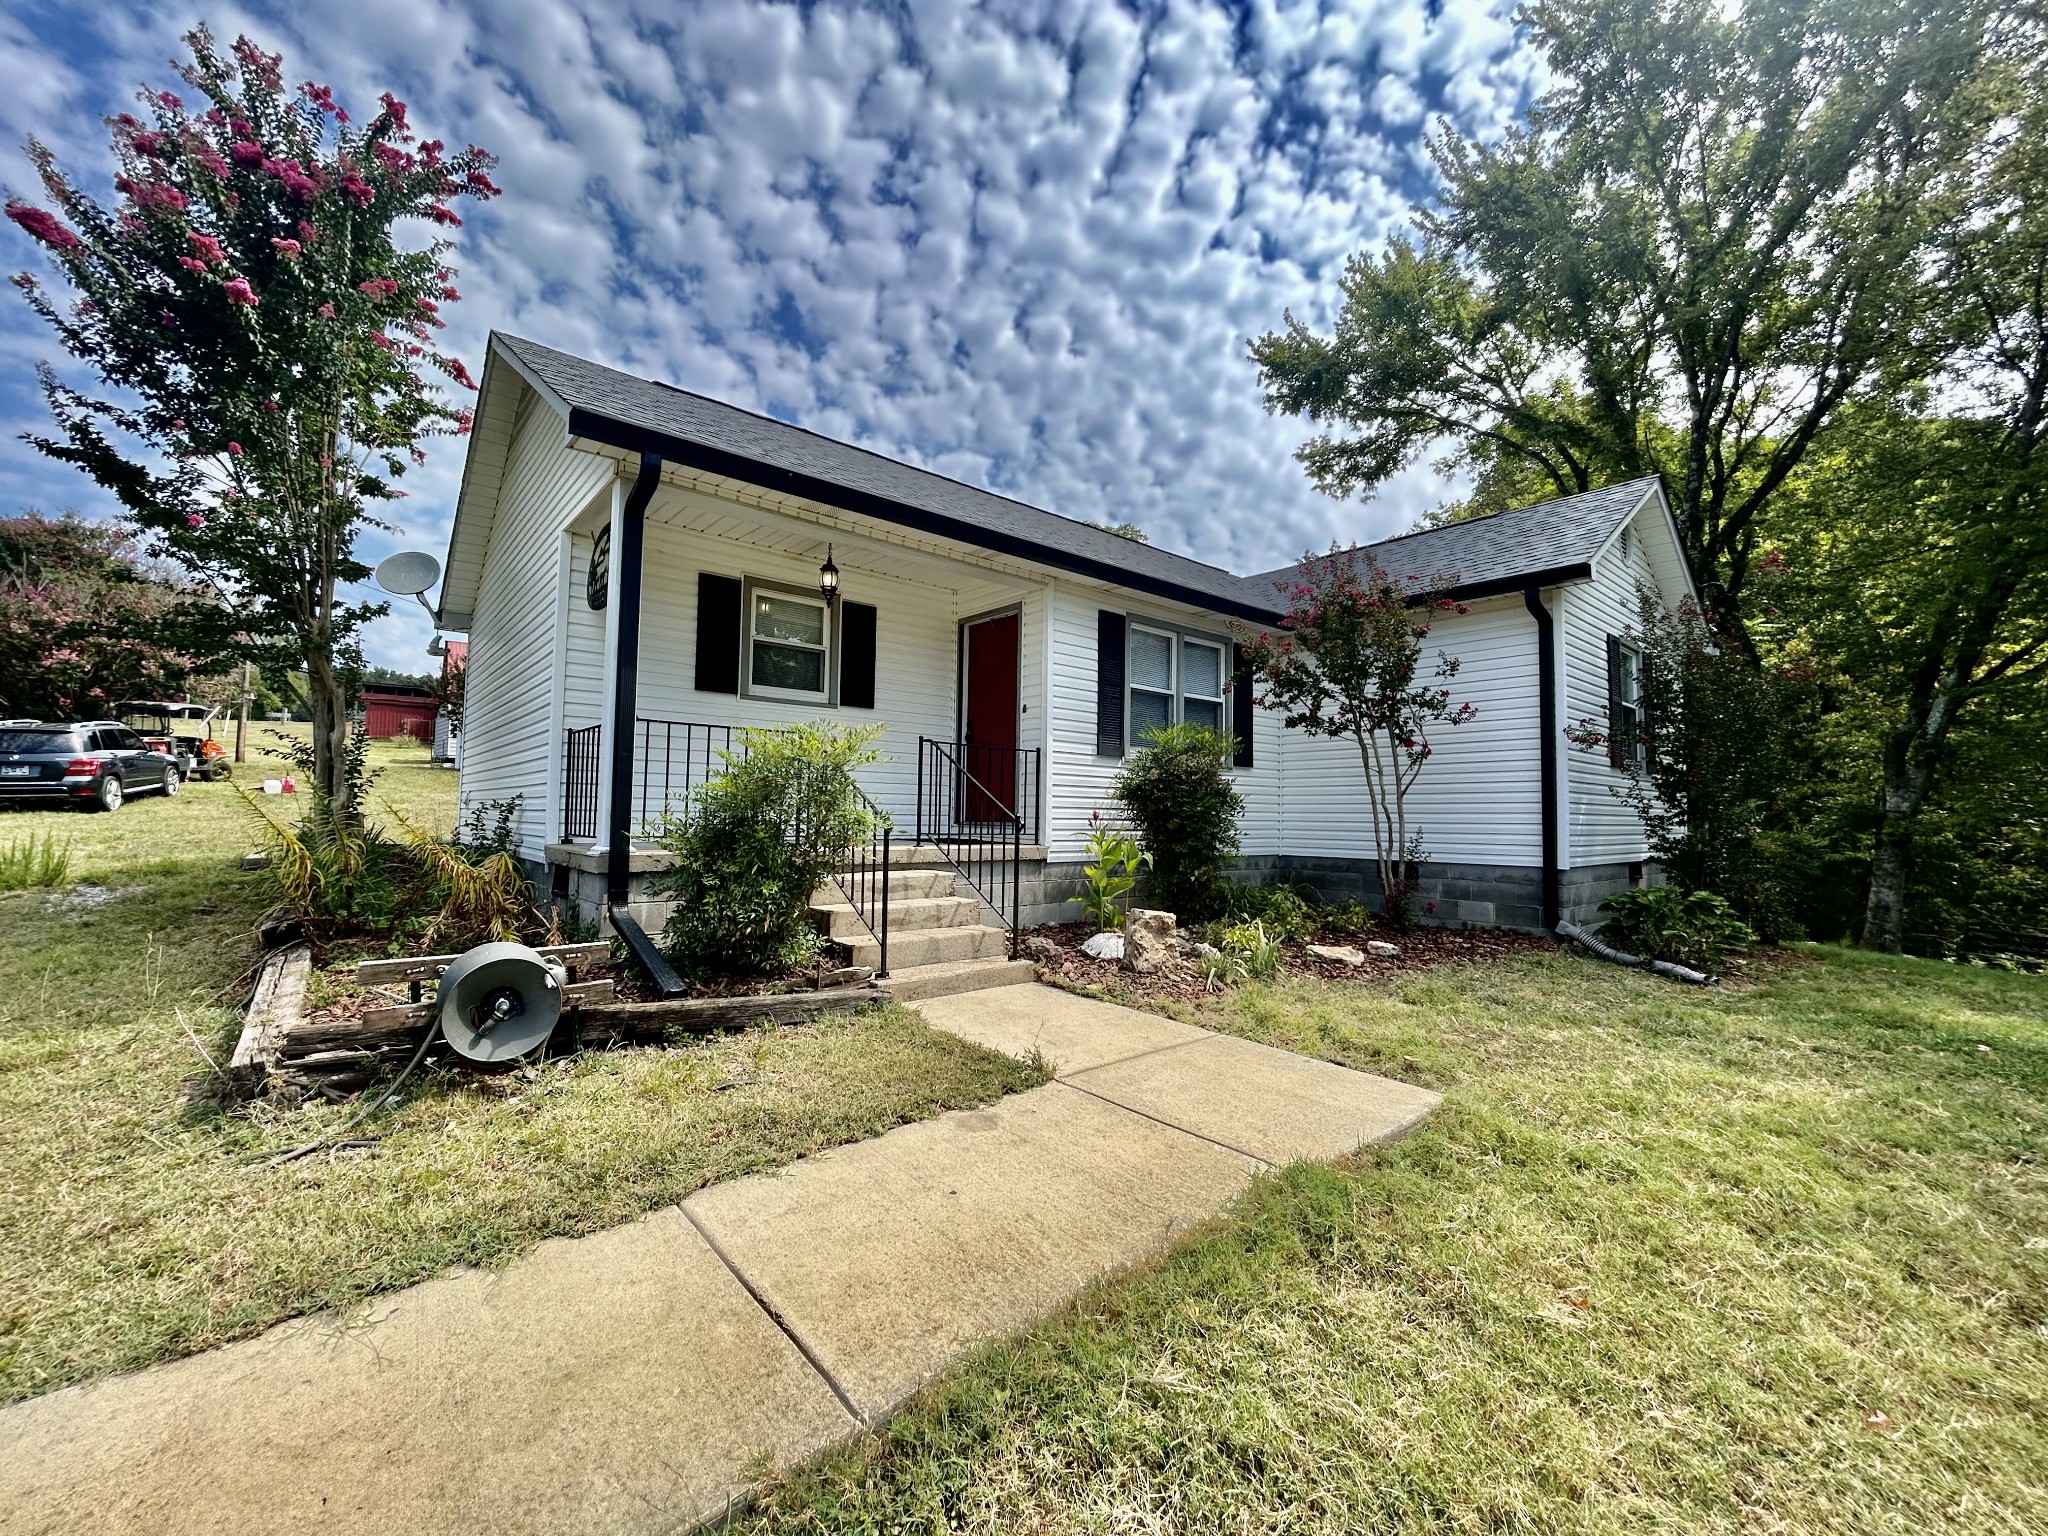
(1151,682)
(789,638)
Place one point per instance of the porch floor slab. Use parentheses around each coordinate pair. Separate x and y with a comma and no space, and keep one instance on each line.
(631,1380)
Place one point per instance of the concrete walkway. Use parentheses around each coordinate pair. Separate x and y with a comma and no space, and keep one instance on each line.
(631,1381)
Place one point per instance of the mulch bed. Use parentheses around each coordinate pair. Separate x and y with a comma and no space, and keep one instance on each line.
(1421,950)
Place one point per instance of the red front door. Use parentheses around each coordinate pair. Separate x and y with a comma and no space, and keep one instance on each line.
(989,718)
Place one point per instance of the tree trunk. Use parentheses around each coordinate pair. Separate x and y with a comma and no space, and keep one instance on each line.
(1948,672)
(327,695)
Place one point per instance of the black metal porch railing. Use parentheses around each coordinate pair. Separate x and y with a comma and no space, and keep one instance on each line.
(582,771)
(973,825)
(671,758)
(864,881)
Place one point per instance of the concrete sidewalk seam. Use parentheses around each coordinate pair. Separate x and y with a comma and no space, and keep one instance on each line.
(774,1316)
(1104,1098)
(1150,1050)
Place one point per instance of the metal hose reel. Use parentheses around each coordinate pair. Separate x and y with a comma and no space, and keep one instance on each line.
(499,1003)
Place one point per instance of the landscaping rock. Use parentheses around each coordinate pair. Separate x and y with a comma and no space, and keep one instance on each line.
(1339,952)
(1195,949)
(1105,946)
(1039,947)
(1149,941)
(1382,948)
(257,860)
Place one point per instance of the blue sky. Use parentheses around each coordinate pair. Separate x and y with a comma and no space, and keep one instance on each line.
(1020,244)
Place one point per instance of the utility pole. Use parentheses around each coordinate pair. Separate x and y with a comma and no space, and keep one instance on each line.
(242,720)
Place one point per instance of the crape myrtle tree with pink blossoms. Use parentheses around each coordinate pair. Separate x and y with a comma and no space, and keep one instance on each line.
(265,346)
(1347,665)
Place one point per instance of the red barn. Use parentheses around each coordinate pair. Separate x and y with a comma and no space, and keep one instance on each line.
(389,712)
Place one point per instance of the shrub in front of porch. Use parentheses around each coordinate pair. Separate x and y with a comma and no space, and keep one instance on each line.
(754,841)
(1178,792)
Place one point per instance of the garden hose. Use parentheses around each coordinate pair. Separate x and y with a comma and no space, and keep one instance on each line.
(306,1149)
(1682,973)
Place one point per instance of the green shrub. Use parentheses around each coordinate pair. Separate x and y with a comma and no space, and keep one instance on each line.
(1283,910)
(34,863)
(754,841)
(1661,922)
(1349,918)
(1114,859)
(1178,793)
(1248,951)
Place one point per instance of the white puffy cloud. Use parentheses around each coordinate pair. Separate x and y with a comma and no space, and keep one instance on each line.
(1024,244)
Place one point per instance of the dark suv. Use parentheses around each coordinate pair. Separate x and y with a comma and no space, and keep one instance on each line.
(95,764)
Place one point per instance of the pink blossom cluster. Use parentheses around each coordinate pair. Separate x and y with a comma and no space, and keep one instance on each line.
(44,226)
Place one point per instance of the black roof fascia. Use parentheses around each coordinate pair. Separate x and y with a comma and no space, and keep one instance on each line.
(609,430)
(1501,586)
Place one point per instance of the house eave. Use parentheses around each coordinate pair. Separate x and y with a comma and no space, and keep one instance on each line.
(594,427)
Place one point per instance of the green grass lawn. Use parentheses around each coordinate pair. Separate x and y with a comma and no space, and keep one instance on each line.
(135,1227)
(1771,1258)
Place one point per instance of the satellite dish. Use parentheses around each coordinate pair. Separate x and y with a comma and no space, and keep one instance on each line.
(499,1002)
(408,573)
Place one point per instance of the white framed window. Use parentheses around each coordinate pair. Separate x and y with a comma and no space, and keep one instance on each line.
(1202,671)
(1172,676)
(1628,704)
(789,644)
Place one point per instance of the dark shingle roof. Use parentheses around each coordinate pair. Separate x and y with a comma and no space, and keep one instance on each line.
(723,439)
(1501,547)
(642,415)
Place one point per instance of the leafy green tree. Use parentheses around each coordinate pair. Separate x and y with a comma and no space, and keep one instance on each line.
(1711,766)
(1347,664)
(265,344)
(1710,235)
(1924,537)
(83,622)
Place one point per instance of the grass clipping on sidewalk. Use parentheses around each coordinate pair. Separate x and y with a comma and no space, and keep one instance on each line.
(1769,1258)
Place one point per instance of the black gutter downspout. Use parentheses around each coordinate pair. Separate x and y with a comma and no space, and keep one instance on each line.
(1546,697)
(627,544)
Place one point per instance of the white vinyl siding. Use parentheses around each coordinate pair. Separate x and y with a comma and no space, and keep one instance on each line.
(508,745)
(1479,798)
(1601,828)
(916,650)
(1080,780)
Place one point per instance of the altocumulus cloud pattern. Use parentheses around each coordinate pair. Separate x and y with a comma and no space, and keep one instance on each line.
(1020,244)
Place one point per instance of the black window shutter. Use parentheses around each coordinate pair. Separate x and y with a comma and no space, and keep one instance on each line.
(1241,706)
(1615,746)
(857,655)
(718,633)
(1109,683)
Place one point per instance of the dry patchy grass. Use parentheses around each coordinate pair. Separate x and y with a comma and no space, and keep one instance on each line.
(135,1227)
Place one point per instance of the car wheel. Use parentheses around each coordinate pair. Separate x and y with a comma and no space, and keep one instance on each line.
(111,793)
(173,781)
(221,771)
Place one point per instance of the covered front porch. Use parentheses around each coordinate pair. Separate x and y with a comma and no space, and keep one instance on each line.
(706,614)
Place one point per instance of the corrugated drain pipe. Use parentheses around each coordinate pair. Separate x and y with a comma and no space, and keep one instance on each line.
(1683,973)
(628,543)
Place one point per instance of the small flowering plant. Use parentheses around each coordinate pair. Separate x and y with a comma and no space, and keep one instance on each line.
(1346,664)
(268,347)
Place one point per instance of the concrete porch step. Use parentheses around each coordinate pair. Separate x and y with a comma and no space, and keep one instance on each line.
(904,884)
(914,983)
(927,946)
(907,914)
